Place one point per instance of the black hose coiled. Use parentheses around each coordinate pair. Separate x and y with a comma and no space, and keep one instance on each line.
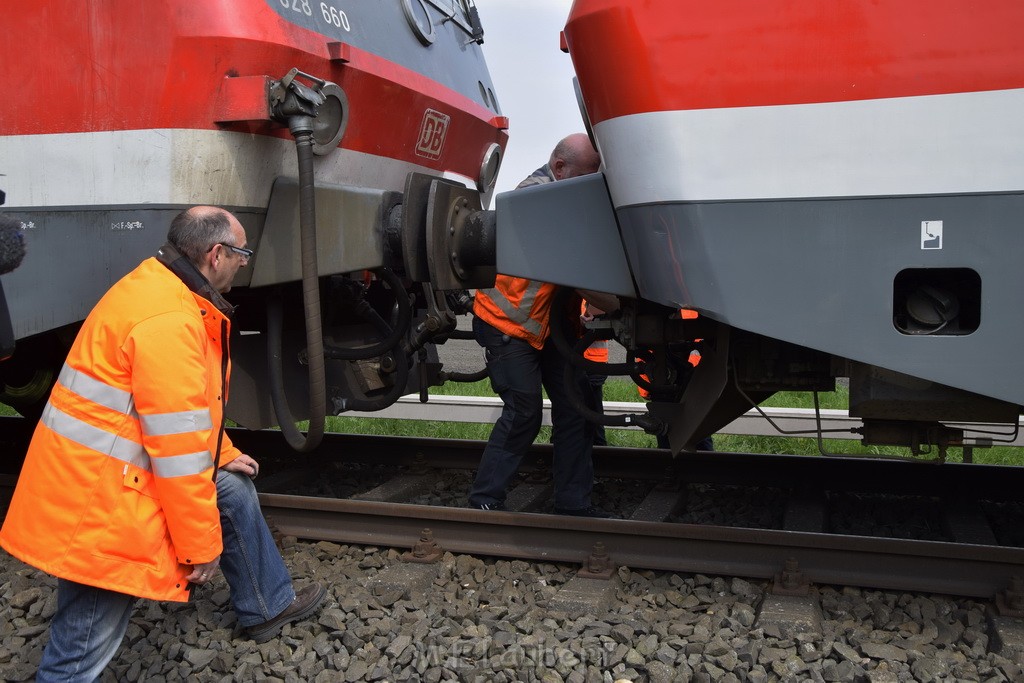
(391,336)
(572,351)
(369,405)
(645,421)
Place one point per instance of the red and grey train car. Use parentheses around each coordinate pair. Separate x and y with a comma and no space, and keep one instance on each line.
(837,189)
(312,121)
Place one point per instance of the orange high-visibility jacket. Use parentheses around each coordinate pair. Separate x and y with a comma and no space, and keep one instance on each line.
(518,307)
(597,352)
(117,488)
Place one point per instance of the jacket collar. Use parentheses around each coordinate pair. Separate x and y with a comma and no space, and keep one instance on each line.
(187,272)
(543,172)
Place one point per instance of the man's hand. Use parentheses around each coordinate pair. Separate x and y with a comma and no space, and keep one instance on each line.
(590,312)
(243,464)
(203,573)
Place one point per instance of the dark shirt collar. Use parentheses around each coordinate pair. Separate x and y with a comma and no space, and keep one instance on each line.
(187,272)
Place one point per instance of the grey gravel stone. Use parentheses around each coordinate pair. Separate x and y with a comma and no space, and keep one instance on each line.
(659,672)
(884,651)
(487,620)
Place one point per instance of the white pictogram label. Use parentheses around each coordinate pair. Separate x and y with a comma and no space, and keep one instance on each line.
(931,234)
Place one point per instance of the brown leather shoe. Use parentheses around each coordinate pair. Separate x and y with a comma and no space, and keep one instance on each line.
(306,602)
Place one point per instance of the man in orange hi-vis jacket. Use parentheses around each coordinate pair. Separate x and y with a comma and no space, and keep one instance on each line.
(131,488)
(511,321)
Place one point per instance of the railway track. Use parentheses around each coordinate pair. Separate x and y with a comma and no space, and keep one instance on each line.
(965,550)
(954,529)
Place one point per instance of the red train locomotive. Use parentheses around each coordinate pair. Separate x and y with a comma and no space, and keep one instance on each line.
(130,111)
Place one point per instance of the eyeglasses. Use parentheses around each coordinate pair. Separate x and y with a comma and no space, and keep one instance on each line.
(241,251)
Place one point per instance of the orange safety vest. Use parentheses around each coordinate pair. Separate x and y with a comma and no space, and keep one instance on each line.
(517,307)
(117,488)
(597,352)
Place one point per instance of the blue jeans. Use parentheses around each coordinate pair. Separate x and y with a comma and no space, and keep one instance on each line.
(517,372)
(85,632)
(90,622)
(261,587)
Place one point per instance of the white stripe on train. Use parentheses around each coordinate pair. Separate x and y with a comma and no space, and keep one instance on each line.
(938,144)
(171,166)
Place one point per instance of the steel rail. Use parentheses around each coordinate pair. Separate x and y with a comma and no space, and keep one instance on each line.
(893,564)
(955,569)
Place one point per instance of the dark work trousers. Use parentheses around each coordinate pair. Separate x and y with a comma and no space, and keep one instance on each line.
(517,371)
(596,384)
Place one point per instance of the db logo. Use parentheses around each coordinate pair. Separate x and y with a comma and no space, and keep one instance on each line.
(432,133)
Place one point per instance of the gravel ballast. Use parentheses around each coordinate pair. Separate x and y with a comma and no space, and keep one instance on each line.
(486,619)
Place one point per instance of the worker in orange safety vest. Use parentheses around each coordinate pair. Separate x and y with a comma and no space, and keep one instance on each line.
(131,487)
(512,323)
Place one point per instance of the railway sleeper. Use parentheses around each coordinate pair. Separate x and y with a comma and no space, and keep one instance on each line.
(401,488)
(660,503)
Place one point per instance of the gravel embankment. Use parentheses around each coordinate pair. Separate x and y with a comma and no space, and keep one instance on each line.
(487,620)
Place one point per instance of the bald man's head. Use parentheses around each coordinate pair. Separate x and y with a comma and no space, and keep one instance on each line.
(194,231)
(213,240)
(574,156)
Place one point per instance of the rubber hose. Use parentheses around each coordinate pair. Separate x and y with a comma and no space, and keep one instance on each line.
(275,322)
(311,308)
(562,336)
(464,376)
(461,334)
(645,421)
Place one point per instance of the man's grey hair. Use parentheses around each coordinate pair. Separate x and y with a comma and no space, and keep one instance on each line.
(194,231)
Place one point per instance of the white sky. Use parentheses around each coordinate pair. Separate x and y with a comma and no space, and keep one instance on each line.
(532,80)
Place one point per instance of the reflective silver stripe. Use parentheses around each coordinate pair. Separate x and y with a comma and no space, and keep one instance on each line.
(94,438)
(182,465)
(162,424)
(96,391)
(519,314)
(123,449)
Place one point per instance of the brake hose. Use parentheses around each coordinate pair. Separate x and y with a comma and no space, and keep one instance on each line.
(302,129)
